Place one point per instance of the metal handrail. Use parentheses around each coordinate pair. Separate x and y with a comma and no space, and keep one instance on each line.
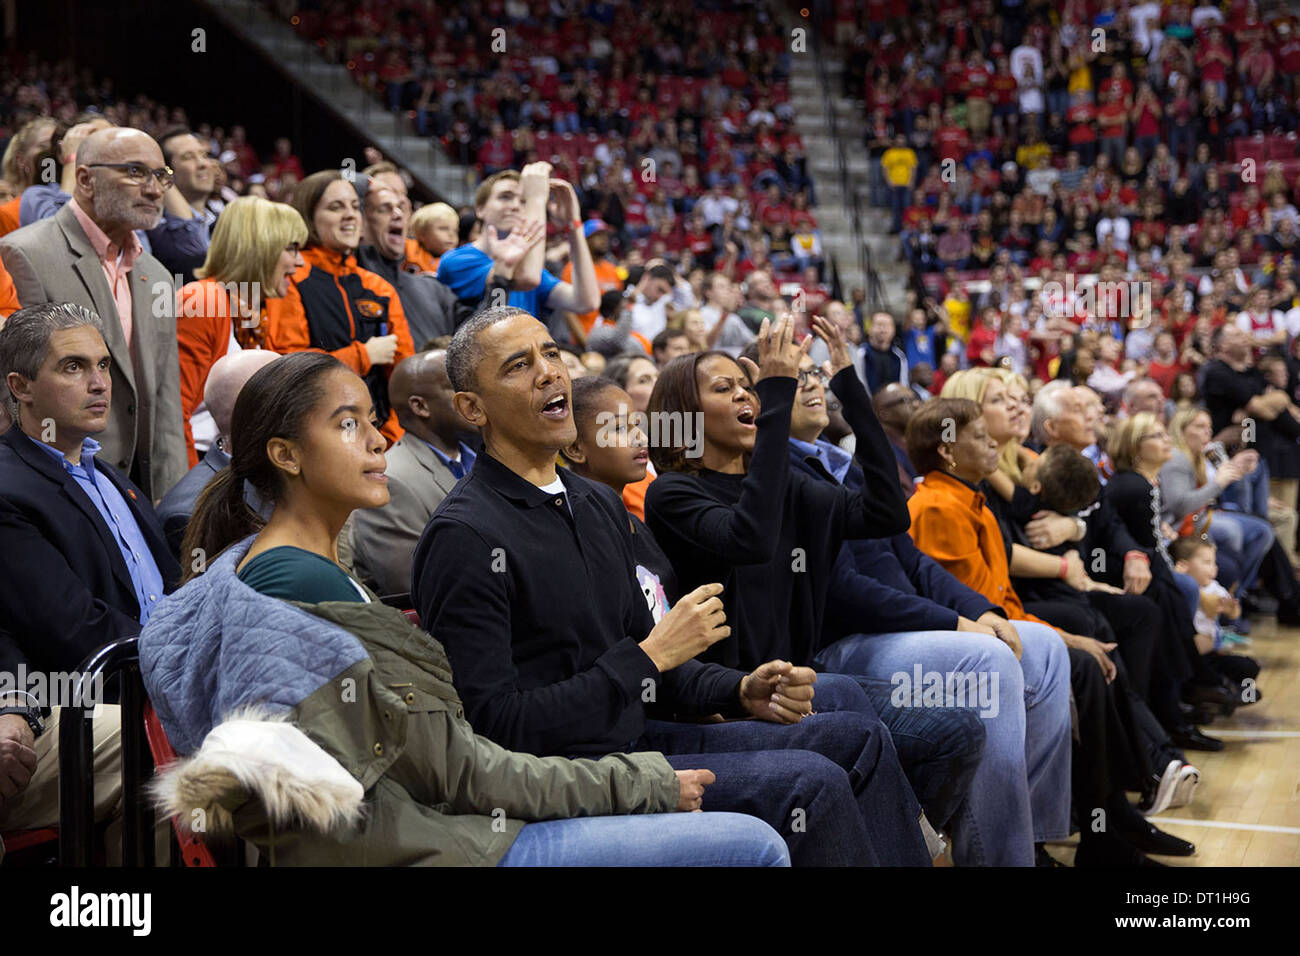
(77,760)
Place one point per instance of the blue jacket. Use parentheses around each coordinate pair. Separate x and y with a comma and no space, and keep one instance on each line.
(217,645)
(889,582)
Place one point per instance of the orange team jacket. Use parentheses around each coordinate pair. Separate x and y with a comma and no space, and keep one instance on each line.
(634,494)
(203,332)
(419,257)
(9,215)
(608,279)
(8,295)
(335,306)
(952,524)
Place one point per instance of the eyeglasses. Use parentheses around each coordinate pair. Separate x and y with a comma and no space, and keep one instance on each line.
(807,374)
(138,174)
(1149,435)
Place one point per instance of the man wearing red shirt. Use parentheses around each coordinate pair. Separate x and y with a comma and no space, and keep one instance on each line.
(979,350)
(978,108)
(1082,117)
(1112,118)
(951,141)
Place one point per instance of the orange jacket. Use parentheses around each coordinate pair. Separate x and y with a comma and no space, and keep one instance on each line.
(419,257)
(203,331)
(333,305)
(608,278)
(9,215)
(8,295)
(634,495)
(952,524)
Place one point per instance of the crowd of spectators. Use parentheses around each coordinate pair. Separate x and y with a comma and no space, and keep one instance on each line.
(672,121)
(257,400)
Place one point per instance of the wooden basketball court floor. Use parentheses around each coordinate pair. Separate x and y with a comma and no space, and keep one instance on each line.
(1247,808)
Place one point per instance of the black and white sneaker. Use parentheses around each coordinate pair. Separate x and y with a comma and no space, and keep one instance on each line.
(1185,786)
(1162,798)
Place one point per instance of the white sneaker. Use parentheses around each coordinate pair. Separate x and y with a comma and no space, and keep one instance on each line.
(1185,787)
(1165,791)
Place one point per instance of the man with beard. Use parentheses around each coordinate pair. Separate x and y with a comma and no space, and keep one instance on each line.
(88,254)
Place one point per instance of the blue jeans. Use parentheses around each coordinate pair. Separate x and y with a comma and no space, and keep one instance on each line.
(1191,590)
(1250,494)
(1246,537)
(649,839)
(1021,791)
(898,197)
(831,785)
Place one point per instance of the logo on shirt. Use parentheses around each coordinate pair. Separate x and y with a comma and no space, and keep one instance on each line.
(369,308)
(655,597)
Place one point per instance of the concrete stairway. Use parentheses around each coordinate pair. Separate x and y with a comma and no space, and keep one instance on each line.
(334,87)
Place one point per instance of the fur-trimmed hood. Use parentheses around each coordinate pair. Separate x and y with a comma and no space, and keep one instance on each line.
(257,754)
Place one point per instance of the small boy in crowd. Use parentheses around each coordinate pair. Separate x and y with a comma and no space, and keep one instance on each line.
(1195,557)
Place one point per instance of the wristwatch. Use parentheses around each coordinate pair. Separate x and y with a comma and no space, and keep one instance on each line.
(30,714)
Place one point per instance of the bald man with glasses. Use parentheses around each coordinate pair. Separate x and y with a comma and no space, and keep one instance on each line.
(88,254)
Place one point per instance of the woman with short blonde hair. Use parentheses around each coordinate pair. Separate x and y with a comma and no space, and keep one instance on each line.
(254,250)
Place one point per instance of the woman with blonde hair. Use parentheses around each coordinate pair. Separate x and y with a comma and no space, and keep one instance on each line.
(1190,483)
(1003,397)
(254,250)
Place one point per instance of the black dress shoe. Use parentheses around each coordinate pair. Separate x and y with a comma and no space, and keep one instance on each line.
(1150,839)
(1215,695)
(1109,851)
(1190,738)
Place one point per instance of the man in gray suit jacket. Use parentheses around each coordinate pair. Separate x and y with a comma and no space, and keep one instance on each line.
(87,253)
(423,466)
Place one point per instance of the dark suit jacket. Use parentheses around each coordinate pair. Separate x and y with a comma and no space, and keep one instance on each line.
(66,590)
(178,504)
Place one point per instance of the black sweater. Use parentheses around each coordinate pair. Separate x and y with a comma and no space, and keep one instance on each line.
(771,536)
(541,615)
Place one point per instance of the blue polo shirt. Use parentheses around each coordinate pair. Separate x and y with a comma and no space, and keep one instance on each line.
(112,507)
(465,270)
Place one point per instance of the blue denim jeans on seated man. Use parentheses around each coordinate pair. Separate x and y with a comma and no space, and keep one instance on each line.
(1247,538)
(649,839)
(1021,792)
(939,748)
(831,784)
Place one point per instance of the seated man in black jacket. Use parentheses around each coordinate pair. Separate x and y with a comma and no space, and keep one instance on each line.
(225,380)
(82,556)
(528,580)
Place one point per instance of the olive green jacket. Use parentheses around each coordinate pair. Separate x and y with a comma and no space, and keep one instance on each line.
(436,793)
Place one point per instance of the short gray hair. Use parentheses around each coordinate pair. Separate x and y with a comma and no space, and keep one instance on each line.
(25,337)
(464,353)
(1047,405)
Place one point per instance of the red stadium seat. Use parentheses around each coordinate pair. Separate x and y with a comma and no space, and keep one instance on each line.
(193,850)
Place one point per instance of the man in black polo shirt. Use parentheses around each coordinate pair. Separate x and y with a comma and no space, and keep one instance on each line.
(528,580)
(1231,383)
